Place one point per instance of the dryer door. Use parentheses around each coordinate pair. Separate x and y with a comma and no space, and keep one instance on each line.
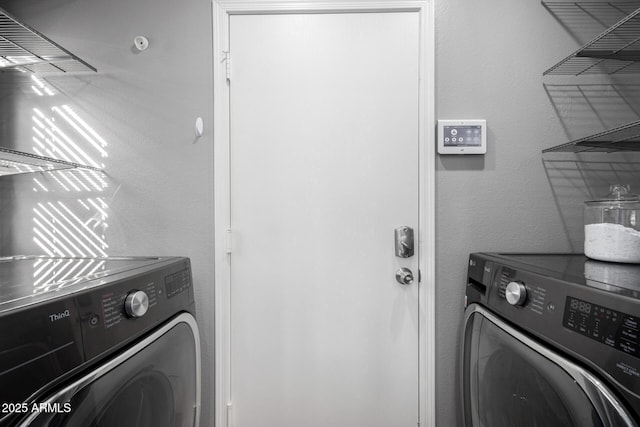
(154,383)
(510,380)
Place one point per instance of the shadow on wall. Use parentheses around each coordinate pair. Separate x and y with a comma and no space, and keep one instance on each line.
(576,178)
(584,110)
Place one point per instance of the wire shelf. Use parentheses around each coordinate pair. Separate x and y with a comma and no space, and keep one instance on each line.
(14,162)
(622,138)
(24,49)
(615,51)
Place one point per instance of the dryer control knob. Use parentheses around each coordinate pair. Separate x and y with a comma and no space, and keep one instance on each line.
(136,304)
(516,293)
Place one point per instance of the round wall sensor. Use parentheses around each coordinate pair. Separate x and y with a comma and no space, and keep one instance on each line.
(140,42)
(199,126)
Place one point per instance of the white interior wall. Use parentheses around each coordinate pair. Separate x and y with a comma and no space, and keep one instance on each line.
(490,56)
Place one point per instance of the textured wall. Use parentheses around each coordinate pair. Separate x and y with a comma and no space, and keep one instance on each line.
(490,56)
(157,198)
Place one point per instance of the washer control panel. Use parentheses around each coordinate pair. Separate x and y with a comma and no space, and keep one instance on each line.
(611,327)
(516,293)
(528,294)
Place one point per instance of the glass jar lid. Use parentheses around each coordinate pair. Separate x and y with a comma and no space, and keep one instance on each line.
(618,194)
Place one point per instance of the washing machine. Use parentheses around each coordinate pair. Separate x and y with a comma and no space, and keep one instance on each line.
(107,342)
(550,340)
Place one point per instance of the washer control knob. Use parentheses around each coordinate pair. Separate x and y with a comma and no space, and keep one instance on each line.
(136,304)
(516,293)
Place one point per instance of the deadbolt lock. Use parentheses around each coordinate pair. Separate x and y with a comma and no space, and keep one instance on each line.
(404,242)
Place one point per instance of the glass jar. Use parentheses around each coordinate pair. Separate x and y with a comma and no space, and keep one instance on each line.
(611,226)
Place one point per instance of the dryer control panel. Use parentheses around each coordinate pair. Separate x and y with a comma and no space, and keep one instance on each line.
(113,316)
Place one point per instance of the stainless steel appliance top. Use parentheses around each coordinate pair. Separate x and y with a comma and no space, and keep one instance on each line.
(620,278)
(26,280)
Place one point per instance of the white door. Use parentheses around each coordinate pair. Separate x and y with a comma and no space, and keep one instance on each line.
(324,143)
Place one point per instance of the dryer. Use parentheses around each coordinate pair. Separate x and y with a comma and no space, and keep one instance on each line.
(98,342)
(551,340)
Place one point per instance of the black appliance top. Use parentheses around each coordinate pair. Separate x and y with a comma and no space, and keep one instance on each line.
(26,280)
(620,278)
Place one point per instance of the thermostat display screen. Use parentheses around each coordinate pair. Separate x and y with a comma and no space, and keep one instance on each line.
(456,136)
(462,136)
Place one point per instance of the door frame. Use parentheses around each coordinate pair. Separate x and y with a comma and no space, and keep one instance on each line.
(223,240)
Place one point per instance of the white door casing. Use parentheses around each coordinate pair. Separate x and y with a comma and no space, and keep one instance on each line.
(224,13)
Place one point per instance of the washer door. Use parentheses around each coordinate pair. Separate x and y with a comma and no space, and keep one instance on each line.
(155,383)
(510,380)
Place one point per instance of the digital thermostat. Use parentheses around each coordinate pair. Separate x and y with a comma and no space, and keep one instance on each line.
(462,136)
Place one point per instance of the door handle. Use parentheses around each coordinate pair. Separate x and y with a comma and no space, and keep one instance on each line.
(404,276)
(404,242)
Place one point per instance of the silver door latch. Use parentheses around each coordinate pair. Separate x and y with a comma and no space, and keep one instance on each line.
(404,276)
(404,242)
